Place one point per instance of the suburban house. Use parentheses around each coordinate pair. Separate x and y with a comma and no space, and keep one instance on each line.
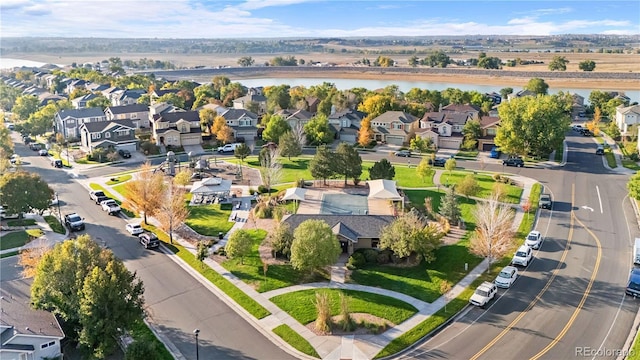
(81,102)
(353,231)
(312,104)
(26,333)
(252,97)
(137,113)
(346,124)
(244,123)
(495,98)
(47,96)
(177,128)
(471,110)
(394,127)
(93,87)
(520,93)
(67,121)
(110,93)
(160,92)
(295,117)
(620,96)
(75,84)
(126,97)
(110,134)
(489,128)
(443,128)
(627,116)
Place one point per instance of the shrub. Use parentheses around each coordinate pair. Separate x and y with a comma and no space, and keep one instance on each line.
(497,177)
(263,211)
(149,148)
(262,189)
(346,322)
(278,213)
(356,181)
(140,350)
(324,312)
(356,260)
(384,257)
(370,255)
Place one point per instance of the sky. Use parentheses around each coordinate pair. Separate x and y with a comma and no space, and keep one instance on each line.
(313,18)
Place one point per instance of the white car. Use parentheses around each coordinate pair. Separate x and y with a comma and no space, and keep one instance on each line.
(534,239)
(506,277)
(523,256)
(43,152)
(484,293)
(134,229)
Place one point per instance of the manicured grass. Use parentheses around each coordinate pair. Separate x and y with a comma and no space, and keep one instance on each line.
(611,159)
(292,170)
(21,222)
(9,254)
(486,184)
(209,219)
(630,164)
(296,340)
(278,276)
(467,154)
(14,239)
(106,192)
(55,224)
(300,305)
(635,349)
(141,332)
(119,179)
(421,281)
(405,176)
(534,196)
(120,189)
(242,299)
(416,197)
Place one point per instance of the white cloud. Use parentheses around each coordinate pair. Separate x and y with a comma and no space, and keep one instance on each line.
(259,4)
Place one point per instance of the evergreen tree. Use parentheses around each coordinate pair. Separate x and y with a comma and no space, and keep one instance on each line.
(382,170)
(321,165)
(449,207)
(347,162)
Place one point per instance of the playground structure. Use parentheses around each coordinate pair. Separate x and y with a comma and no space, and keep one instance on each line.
(169,165)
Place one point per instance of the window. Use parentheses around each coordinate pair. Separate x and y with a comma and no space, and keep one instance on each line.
(107,135)
(397,126)
(51,343)
(134,116)
(245,122)
(122,132)
(345,123)
(491,131)
(44,346)
(95,136)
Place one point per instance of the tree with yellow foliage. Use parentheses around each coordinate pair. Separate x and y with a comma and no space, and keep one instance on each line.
(594,125)
(144,193)
(365,133)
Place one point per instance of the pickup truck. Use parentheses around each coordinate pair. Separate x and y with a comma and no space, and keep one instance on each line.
(228,148)
(110,206)
(74,222)
(95,194)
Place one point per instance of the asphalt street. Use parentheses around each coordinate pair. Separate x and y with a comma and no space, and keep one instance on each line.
(570,300)
(175,302)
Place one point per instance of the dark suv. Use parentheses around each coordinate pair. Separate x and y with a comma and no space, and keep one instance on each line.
(438,162)
(517,162)
(149,240)
(124,153)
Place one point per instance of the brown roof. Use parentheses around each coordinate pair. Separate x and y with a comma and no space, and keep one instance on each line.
(487,121)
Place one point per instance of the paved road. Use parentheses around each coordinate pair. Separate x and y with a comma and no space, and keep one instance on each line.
(176,302)
(572,296)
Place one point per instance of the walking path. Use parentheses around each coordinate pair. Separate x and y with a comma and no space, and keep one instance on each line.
(48,239)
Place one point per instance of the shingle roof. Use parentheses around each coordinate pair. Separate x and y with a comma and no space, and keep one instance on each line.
(100,126)
(81,113)
(630,109)
(487,121)
(464,108)
(124,109)
(348,113)
(173,117)
(234,114)
(391,116)
(295,114)
(251,98)
(358,226)
(166,91)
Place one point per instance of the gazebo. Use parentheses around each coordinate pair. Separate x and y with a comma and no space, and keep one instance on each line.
(385,190)
(210,189)
(296,194)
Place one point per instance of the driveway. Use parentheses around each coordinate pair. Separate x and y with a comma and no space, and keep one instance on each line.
(193,149)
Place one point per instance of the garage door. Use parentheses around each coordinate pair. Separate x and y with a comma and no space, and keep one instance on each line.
(191,140)
(349,138)
(445,143)
(131,147)
(487,146)
(395,140)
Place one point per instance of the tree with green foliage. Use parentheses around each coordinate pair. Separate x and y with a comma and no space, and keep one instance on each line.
(23,191)
(289,145)
(347,162)
(450,165)
(634,186)
(538,86)
(321,166)
(375,105)
(99,102)
(532,125)
(173,99)
(420,144)
(489,62)
(413,61)
(242,151)
(314,246)
(207,117)
(91,290)
(202,251)
(587,65)
(409,233)
(437,58)
(613,130)
(599,99)
(384,61)
(246,61)
(504,92)
(239,245)
(275,128)
(25,106)
(382,170)
(140,350)
(318,130)
(471,132)
(468,186)
(449,207)
(278,97)
(281,239)
(558,63)
(424,167)
(610,108)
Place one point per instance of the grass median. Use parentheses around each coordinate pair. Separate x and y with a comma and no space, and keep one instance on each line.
(55,224)
(106,192)
(296,340)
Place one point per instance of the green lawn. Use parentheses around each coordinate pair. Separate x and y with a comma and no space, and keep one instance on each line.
(141,332)
(416,197)
(120,189)
(486,184)
(635,349)
(106,192)
(55,224)
(296,340)
(13,240)
(9,254)
(630,164)
(278,276)
(209,219)
(237,295)
(467,154)
(21,222)
(300,305)
(421,281)
(611,159)
(292,170)
(119,179)
(405,176)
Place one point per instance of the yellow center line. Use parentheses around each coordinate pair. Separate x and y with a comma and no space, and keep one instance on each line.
(554,273)
(582,301)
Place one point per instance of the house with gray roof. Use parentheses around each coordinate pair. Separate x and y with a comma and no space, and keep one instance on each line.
(81,102)
(346,124)
(444,128)
(114,134)
(26,333)
(244,123)
(295,117)
(394,127)
(247,102)
(353,231)
(67,121)
(176,128)
(138,113)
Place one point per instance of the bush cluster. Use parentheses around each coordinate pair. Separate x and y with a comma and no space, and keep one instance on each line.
(362,257)
(503,179)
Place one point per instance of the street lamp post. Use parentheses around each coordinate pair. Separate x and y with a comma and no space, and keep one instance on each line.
(58,203)
(196,332)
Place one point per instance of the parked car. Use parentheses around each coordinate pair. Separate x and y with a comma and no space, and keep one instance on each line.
(586,132)
(517,162)
(506,277)
(35,146)
(403,153)
(495,153)
(228,148)
(74,222)
(438,162)
(14,158)
(534,240)
(633,286)
(95,194)
(57,163)
(110,206)
(523,256)
(545,201)
(483,294)
(600,150)
(149,240)
(577,128)
(43,152)
(4,215)
(124,153)
(134,229)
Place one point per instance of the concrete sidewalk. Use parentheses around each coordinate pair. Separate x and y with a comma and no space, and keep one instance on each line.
(48,239)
